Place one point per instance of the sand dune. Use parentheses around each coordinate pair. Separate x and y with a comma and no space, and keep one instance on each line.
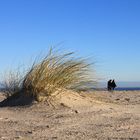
(99,115)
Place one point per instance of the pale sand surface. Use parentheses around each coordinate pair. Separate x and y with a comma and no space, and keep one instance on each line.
(99,115)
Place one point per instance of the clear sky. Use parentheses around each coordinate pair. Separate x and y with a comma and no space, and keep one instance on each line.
(108,30)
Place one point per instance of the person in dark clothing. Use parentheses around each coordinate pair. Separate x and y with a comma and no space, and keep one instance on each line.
(109,85)
(113,85)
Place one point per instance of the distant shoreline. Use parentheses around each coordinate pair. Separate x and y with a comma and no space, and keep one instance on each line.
(128,88)
(103,89)
(119,89)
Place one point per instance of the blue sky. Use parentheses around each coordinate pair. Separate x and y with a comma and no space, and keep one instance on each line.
(108,30)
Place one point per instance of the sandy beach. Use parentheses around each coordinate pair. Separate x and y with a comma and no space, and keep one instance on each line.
(96,115)
(70,70)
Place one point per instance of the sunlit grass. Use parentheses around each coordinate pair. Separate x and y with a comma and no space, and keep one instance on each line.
(53,72)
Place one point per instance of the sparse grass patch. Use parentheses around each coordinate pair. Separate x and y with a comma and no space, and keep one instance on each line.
(12,83)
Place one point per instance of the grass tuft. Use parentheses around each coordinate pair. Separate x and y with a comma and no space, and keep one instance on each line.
(53,72)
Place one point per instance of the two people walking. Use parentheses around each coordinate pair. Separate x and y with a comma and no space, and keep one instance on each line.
(111,85)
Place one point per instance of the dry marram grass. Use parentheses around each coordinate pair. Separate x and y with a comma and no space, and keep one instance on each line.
(54,72)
